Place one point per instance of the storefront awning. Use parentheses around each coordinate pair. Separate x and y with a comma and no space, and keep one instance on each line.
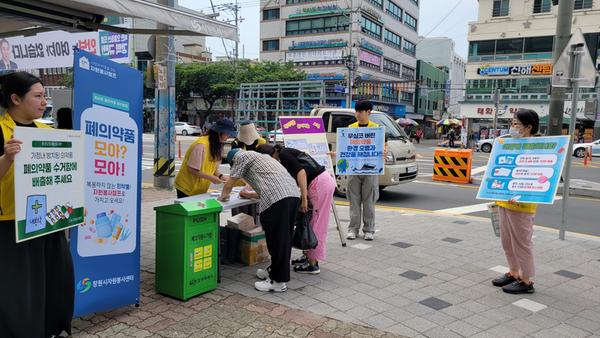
(27,17)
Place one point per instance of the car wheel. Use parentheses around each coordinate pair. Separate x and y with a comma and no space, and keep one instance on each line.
(184,132)
(341,185)
(580,152)
(486,147)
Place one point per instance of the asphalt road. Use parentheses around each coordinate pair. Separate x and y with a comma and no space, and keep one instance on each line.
(425,194)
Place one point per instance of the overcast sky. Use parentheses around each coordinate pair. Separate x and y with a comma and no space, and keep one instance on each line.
(437,18)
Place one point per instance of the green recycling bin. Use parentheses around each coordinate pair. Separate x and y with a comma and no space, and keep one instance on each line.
(187,248)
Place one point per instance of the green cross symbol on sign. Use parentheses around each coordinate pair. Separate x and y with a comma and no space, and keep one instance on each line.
(36,206)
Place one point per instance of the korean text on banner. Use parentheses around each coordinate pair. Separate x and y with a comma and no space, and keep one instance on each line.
(49,174)
(308,135)
(106,250)
(360,151)
(524,169)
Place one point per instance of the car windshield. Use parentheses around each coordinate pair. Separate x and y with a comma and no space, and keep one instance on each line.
(392,131)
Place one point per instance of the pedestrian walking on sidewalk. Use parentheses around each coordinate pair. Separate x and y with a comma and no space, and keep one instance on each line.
(316,195)
(278,205)
(200,166)
(37,283)
(451,137)
(363,190)
(516,222)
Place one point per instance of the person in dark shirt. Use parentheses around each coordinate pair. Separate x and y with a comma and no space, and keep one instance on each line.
(316,193)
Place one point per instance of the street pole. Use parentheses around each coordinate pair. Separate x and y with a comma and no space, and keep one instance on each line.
(597,117)
(350,63)
(574,68)
(496,104)
(557,97)
(164,110)
(236,29)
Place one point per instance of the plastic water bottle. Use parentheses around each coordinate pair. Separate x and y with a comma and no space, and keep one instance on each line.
(103,226)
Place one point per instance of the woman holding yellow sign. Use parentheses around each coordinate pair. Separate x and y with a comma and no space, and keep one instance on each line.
(36,288)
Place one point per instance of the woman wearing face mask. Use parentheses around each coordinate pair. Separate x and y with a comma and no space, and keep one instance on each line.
(200,166)
(516,222)
(37,283)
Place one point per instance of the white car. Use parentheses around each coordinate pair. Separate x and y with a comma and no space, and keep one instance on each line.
(184,129)
(487,144)
(579,148)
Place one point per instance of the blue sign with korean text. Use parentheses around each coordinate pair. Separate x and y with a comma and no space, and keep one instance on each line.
(360,151)
(524,169)
(106,248)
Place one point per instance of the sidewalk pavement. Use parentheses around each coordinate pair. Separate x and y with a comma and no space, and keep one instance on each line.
(424,275)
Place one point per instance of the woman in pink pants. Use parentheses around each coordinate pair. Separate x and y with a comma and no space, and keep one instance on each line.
(316,188)
(516,222)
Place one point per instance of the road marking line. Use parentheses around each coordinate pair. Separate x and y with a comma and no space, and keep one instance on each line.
(479,170)
(468,209)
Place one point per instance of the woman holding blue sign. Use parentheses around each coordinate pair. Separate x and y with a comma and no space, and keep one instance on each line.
(516,222)
(36,288)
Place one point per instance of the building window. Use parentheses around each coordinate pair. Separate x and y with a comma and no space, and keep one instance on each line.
(542,6)
(271,14)
(410,21)
(482,50)
(538,47)
(391,67)
(416,2)
(583,4)
(270,45)
(395,11)
(317,25)
(509,46)
(500,8)
(294,2)
(409,48)
(371,28)
(393,39)
(377,3)
(408,73)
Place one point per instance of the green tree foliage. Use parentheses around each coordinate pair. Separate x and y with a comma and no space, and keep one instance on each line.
(221,80)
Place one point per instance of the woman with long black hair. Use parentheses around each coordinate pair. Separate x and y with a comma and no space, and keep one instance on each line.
(200,166)
(37,283)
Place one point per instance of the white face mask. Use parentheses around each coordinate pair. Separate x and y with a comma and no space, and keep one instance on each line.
(515,132)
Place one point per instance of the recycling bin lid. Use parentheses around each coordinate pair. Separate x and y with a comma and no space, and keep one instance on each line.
(191,208)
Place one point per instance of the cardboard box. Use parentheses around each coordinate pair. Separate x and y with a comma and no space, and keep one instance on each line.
(241,221)
(253,247)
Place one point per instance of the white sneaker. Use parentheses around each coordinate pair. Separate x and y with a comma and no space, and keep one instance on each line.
(351,235)
(369,236)
(270,285)
(262,273)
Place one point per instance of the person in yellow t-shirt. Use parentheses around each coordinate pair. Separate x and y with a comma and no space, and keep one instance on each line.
(200,166)
(516,222)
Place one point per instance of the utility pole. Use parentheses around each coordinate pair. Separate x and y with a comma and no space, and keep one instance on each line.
(350,63)
(576,52)
(557,97)
(496,105)
(236,9)
(164,110)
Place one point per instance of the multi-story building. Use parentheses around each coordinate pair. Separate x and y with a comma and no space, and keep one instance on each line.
(510,48)
(431,92)
(440,52)
(377,37)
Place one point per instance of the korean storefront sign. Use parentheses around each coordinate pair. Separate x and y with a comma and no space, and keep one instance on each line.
(55,49)
(524,169)
(369,57)
(314,55)
(360,151)
(49,176)
(106,249)
(318,44)
(534,69)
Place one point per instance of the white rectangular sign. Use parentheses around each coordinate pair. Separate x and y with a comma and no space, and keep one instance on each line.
(49,181)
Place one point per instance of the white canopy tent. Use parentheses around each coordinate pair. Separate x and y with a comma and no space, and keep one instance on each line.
(28,17)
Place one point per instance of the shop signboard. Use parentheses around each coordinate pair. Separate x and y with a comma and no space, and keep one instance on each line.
(369,57)
(533,69)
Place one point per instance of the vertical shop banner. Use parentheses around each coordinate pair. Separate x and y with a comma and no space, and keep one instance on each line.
(360,151)
(524,169)
(49,178)
(106,249)
(308,135)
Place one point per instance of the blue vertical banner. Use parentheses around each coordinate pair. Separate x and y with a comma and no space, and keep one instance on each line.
(106,248)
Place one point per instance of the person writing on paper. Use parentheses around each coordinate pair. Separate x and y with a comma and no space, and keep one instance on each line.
(516,222)
(316,189)
(200,166)
(37,284)
(279,199)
